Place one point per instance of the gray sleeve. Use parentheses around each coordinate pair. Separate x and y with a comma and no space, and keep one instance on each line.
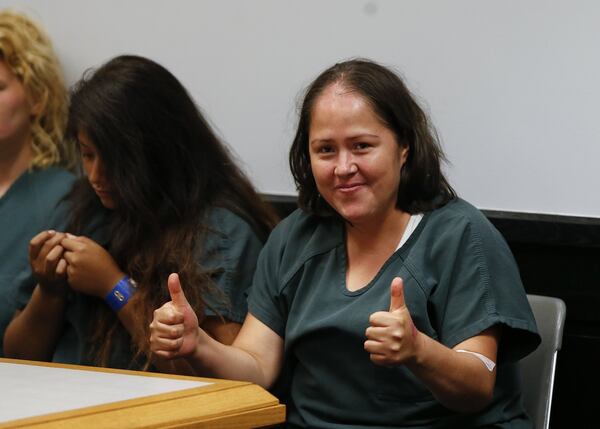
(480,288)
(268,302)
(230,250)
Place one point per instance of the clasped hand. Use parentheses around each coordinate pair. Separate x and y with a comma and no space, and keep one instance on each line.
(47,262)
(58,259)
(392,338)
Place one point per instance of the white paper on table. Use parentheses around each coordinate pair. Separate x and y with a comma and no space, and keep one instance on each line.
(31,390)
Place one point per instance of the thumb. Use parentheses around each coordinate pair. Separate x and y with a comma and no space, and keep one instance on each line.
(397,294)
(175,291)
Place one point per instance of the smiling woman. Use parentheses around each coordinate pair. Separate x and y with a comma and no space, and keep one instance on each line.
(385,300)
(355,159)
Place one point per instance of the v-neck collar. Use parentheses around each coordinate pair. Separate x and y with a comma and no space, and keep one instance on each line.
(401,252)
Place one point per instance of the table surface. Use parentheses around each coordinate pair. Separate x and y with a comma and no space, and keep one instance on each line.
(48,395)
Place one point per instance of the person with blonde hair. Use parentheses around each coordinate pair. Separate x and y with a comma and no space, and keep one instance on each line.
(34,157)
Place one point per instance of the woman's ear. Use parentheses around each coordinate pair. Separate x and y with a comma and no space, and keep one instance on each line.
(37,103)
(37,108)
(403,150)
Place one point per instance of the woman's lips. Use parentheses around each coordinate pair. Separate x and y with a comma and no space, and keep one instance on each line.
(349,187)
(102,193)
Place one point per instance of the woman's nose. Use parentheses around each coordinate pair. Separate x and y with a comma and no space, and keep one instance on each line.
(346,165)
(96,174)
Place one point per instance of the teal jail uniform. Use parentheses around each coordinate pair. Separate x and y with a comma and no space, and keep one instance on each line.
(25,210)
(229,250)
(459,279)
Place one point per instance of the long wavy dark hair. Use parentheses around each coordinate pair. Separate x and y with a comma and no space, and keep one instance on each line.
(423,185)
(166,167)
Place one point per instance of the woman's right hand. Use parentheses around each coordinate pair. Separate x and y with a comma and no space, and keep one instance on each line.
(174,331)
(47,264)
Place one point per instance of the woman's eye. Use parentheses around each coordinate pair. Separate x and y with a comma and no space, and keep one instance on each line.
(325,149)
(87,156)
(362,146)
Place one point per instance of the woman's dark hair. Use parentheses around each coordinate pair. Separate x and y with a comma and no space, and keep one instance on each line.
(166,167)
(423,186)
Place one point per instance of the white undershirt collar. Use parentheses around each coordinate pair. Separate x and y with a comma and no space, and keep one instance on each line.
(412,224)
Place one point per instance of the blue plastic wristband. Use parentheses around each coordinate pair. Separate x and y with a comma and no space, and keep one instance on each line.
(120,294)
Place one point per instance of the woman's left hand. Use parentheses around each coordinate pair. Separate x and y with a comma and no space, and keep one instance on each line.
(91,269)
(392,338)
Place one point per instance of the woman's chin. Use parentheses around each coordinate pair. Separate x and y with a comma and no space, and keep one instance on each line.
(108,203)
(354,217)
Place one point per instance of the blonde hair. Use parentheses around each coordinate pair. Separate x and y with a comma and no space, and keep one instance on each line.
(27,52)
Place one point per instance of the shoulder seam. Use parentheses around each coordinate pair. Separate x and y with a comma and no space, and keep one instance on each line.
(482,268)
(300,264)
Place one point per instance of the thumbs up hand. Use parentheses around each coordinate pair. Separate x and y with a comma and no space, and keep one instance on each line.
(174,329)
(392,338)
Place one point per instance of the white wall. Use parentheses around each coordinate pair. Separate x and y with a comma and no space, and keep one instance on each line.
(512,86)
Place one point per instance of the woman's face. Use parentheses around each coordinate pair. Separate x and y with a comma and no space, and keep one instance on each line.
(94,170)
(355,158)
(15,111)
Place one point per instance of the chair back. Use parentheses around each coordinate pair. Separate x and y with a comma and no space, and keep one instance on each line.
(537,369)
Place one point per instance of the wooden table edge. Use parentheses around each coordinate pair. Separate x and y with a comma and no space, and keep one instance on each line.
(272,407)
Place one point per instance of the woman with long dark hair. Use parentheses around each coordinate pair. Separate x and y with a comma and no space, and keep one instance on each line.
(385,300)
(161,194)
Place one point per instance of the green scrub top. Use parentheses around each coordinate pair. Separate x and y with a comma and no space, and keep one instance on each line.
(25,210)
(459,279)
(229,250)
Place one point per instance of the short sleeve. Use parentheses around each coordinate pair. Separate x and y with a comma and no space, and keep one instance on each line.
(25,210)
(229,252)
(479,286)
(280,267)
(266,300)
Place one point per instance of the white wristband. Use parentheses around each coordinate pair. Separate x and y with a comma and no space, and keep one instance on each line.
(489,364)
